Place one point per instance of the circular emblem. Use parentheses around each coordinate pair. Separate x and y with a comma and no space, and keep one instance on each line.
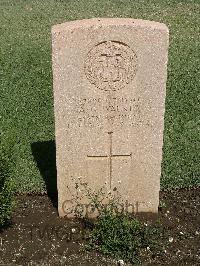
(110,65)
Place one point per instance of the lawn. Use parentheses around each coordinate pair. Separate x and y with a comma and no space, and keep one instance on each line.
(26,107)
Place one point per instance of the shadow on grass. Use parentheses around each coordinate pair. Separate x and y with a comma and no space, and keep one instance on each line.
(45,155)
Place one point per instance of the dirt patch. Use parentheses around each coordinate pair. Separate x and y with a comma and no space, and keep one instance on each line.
(37,236)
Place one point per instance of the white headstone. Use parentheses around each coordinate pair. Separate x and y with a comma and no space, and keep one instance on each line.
(109,80)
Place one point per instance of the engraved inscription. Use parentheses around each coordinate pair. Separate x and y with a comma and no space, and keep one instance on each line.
(96,112)
(110,65)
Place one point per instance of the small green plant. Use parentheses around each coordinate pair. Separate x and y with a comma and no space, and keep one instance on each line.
(162,205)
(6,191)
(117,234)
(122,237)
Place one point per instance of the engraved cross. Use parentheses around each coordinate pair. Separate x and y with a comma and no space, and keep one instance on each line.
(110,157)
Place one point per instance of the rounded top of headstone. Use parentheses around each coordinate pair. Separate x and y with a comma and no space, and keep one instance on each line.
(108,22)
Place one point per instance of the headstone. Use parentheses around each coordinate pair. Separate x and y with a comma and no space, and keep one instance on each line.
(109,78)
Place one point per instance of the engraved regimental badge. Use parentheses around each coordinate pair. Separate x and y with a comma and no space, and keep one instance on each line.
(110,65)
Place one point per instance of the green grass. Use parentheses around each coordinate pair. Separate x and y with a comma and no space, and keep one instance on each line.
(7,188)
(26,106)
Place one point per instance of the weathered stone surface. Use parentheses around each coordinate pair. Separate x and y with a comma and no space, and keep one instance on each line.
(109,79)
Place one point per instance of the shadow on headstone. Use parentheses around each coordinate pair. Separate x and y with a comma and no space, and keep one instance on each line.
(45,155)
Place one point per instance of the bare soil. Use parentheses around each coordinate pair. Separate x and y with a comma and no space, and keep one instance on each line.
(37,236)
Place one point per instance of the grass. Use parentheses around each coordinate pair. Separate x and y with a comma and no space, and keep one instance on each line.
(7,188)
(7,202)
(26,106)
